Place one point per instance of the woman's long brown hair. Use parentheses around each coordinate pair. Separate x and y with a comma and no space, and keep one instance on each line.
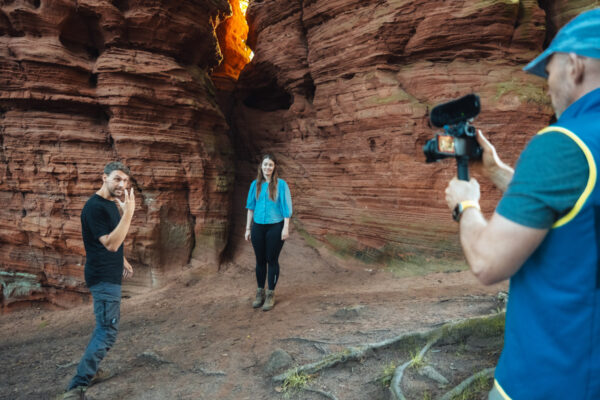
(274,178)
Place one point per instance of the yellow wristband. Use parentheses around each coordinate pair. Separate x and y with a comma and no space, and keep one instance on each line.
(462,206)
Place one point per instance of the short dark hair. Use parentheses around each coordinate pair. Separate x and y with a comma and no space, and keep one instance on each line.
(116,166)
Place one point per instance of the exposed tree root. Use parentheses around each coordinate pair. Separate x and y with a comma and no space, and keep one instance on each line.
(321,392)
(395,384)
(200,370)
(301,339)
(451,332)
(67,365)
(397,379)
(488,372)
(349,354)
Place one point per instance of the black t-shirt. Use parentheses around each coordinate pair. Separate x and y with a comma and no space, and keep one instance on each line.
(100,217)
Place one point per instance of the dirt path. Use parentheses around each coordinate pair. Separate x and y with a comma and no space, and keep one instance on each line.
(199,337)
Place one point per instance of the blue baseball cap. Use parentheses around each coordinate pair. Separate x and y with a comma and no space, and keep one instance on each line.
(580,36)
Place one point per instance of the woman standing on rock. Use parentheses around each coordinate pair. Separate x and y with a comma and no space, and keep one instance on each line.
(269,205)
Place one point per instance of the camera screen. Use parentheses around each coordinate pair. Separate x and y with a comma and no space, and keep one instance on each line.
(446,144)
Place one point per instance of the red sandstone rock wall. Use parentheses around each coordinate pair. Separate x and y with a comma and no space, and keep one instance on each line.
(86,82)
(341,90)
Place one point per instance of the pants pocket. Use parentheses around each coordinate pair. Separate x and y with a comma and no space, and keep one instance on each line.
(111,313)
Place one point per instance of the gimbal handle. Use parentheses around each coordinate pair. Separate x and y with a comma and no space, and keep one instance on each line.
(462,163)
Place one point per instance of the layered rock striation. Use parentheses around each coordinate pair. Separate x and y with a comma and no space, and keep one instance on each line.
(341,91)
(87,82)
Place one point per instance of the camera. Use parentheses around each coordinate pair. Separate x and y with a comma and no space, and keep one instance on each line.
(459,139)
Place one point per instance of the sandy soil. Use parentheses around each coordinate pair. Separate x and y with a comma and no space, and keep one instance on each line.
(199,337)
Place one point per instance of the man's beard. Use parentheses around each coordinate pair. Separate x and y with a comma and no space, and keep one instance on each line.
(113,193)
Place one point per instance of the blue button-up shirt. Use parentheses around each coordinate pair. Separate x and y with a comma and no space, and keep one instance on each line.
(267,211)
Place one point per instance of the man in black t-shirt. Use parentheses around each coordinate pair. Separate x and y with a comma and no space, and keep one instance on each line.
(104,230)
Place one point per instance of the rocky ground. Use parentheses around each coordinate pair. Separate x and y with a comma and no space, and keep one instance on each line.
(199,338)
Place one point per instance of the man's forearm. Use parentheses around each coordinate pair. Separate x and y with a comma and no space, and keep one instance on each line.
(472,225)
(496,249)
(115,239)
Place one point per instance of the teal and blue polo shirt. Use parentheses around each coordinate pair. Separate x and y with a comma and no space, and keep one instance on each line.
(552,336)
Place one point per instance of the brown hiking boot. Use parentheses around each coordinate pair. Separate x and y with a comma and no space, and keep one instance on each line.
(77,393)
(269,300)
(101,375)
(260,298)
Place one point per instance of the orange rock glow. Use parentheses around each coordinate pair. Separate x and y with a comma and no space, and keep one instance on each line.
(232,34)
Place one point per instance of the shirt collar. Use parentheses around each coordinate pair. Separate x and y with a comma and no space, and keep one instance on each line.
(588,101)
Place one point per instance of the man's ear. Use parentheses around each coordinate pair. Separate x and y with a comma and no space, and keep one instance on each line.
(577,68)
(104,177)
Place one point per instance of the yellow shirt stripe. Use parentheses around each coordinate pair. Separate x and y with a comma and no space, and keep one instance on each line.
(501,391)
(591,179)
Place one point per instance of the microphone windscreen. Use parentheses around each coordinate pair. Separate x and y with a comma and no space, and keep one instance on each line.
(455,111)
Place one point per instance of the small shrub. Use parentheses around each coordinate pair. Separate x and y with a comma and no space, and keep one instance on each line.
(388,373)
(417,361)
(295,382)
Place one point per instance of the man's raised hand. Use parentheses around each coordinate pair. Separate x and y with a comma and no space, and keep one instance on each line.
(128,206)
(491,166)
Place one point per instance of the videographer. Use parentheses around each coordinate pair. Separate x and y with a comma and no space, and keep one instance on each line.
(545,232)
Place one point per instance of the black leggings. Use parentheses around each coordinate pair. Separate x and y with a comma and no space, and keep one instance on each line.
(267,243)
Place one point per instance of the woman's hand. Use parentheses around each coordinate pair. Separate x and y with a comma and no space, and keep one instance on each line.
(247,235)
(285,233)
